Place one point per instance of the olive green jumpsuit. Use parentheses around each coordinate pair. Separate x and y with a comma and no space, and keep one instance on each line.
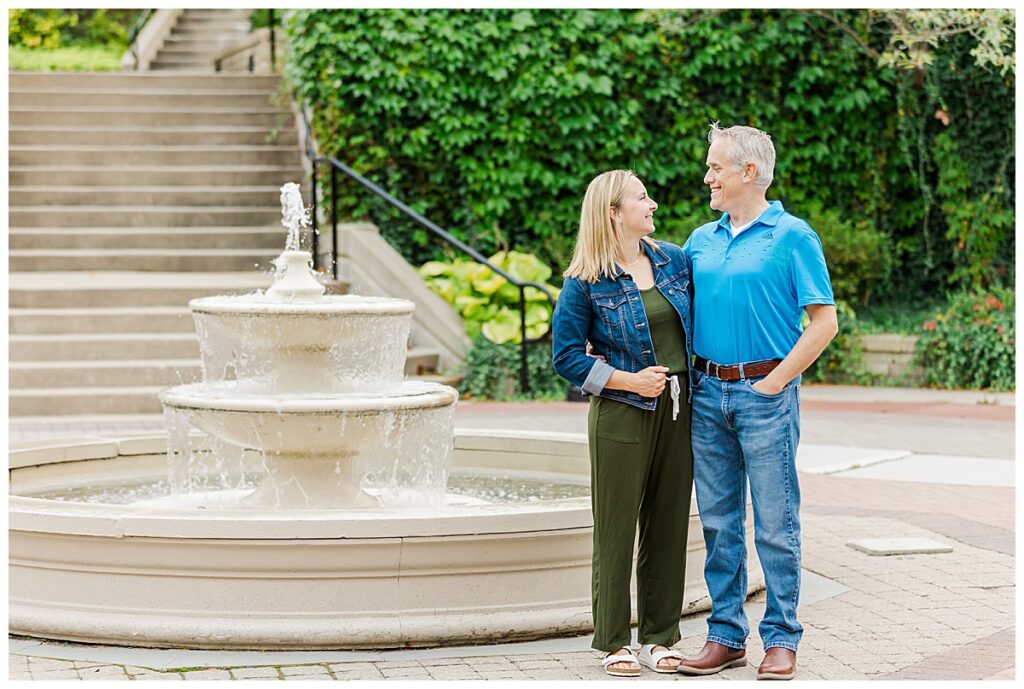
(642,471)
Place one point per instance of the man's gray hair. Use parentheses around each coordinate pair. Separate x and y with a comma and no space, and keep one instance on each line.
(749,145)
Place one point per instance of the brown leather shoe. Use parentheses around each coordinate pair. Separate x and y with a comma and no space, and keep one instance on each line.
(778,663)
(714,657)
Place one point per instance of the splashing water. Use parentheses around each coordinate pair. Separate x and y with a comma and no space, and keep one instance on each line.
(293,214)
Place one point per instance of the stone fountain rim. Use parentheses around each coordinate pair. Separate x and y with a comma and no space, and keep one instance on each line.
(38,515)
(331,304)
(197,396)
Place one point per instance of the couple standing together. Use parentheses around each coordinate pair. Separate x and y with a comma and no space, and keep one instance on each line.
(698,344)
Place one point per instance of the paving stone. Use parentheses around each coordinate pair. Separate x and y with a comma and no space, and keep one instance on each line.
(46,664)
(437,662)
(207,674)
(265,672)
(56,674)
(405,673)
(453,672)
(298,670)
(503,674)
(160,676)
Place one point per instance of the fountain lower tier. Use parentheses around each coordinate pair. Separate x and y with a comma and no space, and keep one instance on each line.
(321,451)
(327,579)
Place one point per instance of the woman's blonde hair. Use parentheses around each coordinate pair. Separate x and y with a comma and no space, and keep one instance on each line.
(598,240)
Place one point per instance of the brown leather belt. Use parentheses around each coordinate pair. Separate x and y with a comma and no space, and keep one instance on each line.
(753,369)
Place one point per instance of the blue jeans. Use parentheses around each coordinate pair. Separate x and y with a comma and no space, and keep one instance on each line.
(740,434)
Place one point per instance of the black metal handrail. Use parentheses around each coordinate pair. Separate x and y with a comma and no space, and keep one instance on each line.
(133,34)
(336,166)
(273,41)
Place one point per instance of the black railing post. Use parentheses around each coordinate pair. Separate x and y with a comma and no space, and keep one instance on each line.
(273,42)
(314,244)
(524,376)
(334,222)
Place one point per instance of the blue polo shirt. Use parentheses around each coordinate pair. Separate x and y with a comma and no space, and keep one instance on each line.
(750,291)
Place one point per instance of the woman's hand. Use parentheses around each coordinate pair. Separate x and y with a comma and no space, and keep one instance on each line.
(650,382)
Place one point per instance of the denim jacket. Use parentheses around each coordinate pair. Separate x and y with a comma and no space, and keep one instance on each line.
(610,315)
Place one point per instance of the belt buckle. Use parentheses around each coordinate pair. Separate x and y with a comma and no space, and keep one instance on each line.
(707,367)
(742,374)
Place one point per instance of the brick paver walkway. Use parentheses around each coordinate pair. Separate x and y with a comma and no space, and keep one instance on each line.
(944,616)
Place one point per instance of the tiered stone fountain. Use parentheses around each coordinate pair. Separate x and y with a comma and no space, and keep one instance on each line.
(306,497)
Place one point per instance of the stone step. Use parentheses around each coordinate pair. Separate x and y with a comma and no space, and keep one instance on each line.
(243,13)
(270,238)
(129,319)
(186,53)
(99,116)
(181,65)
(224,25)
(225,82)
(214,176)
(117,289)
(150,136)
(213,28)
(77,401)
(27,375)
(142,216)
(286,156)
(93,346)
(200,98)
(189,40)
(155,197)
(157,260)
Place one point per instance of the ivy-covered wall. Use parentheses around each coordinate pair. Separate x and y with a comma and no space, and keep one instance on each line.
(492,122)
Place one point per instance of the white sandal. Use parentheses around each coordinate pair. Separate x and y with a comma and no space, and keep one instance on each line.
(613,658)
(652,660)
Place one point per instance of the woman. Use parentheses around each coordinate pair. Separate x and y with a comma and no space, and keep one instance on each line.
(628,296)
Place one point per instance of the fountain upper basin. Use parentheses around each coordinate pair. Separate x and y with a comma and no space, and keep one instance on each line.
(336,343)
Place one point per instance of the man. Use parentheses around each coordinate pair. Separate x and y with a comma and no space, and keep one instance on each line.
(755,271)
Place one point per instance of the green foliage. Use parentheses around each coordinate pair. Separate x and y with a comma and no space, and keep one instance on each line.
(74,59)
(842,362)
(260,19)
(917,33)
(39,28)
(857,253)
(977,221)
(899,319)
(971,344)
(492,372)
(487,302)
(50,29)
(494,121)
(491,123)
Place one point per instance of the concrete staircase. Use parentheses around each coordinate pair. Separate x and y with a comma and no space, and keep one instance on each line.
(130,194)
(198,36)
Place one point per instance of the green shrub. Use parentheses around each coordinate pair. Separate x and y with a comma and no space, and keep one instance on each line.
(492,122)
(487,302)
(856,252)
(842,362)
(971,344)
(52,28)
(38,28)
(492,372)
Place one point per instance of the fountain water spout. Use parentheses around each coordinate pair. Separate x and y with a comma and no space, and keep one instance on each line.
(294,278)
